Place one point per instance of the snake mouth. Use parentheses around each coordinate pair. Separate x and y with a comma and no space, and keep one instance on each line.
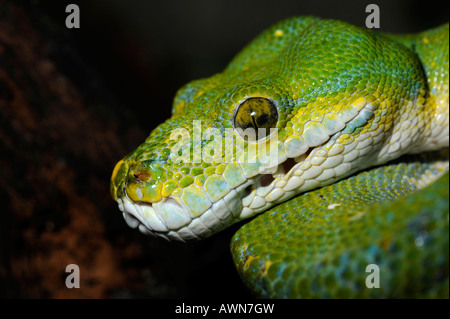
(171,218)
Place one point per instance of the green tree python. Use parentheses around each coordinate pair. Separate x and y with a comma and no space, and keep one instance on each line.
(310,124)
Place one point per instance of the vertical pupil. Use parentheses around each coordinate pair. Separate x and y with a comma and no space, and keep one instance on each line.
(255,125)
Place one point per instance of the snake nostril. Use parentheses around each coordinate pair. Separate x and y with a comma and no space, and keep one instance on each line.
(142,175)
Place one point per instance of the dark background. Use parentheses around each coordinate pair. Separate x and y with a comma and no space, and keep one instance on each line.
(73,102)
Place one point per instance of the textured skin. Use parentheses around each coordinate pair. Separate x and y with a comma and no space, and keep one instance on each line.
(345,99)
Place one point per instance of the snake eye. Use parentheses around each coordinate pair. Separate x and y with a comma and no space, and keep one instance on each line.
(254,118)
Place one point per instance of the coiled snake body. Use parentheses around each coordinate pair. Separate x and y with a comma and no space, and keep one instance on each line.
(326,110)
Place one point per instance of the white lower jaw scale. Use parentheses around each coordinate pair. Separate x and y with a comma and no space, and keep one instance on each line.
(172,213)
(142,216)
(168,219)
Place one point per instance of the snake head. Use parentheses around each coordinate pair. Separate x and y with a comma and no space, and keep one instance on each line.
(307,103)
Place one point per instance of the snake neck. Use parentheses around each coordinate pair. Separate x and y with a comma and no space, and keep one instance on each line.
(432,48)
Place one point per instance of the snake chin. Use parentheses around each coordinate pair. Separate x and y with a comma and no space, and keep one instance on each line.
(171,219)
(149,218)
